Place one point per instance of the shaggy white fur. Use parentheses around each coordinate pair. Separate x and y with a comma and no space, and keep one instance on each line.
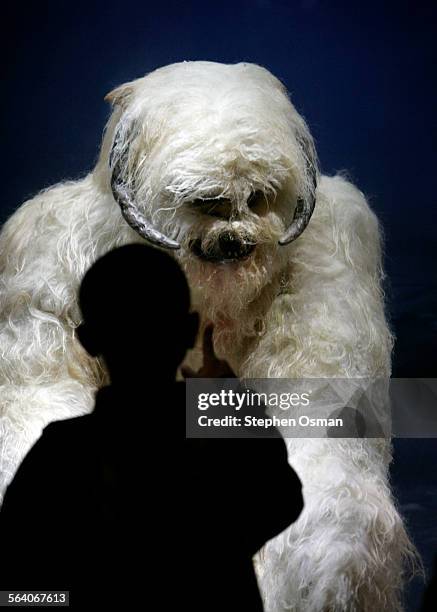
(314,308)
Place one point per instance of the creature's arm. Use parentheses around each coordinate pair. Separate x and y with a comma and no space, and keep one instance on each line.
(44,373)
(347,549)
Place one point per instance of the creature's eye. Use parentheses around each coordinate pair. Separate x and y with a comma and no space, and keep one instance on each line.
(216,207)
(258,203)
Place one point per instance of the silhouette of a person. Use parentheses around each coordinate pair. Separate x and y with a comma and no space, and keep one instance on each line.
(104,505)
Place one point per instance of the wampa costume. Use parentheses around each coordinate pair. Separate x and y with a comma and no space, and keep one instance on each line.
(213,163)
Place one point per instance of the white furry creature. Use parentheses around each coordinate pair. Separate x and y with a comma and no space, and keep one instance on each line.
(213,162)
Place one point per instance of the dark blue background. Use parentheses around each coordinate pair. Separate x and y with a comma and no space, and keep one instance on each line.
(362,74)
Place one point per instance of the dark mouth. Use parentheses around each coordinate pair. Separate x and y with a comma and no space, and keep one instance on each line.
(232,255)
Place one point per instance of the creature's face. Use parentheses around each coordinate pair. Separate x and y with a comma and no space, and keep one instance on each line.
(229,248)
(213,161)
(226,223)
(225,233)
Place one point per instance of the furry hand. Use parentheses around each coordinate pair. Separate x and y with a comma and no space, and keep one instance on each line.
(212,367)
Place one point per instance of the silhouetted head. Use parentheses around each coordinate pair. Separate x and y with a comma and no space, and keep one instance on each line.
(135,303)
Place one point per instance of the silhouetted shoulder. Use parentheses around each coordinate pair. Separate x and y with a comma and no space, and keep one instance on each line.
(63,442)
(61,449)
(68,427)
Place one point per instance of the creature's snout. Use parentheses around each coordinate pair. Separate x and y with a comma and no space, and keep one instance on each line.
(229,247)
(235,247)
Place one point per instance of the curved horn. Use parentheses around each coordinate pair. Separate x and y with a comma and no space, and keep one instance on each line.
(304,207)
(126,200)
